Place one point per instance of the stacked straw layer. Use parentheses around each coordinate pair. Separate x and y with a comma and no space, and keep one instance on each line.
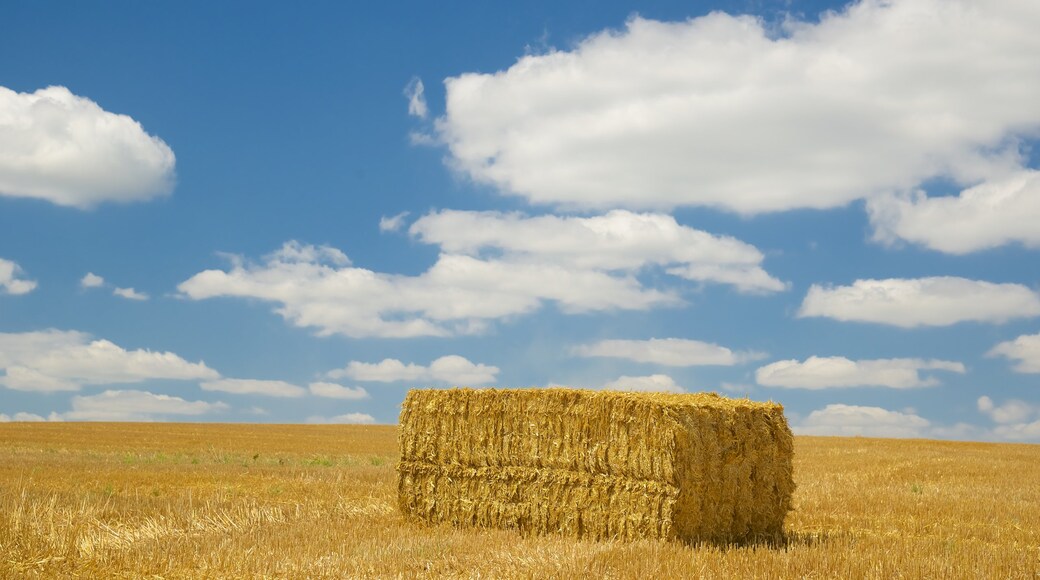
(596,464)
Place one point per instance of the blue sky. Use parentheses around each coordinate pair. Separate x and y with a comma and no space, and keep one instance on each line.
(285,214)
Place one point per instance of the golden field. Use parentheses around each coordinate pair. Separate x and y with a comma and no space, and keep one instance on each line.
(233,501)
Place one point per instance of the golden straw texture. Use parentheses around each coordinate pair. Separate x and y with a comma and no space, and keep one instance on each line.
(596,464)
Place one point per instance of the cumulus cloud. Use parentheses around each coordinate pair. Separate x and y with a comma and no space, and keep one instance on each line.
(56,360)
(908,303)
(346,419)
(393,223)
(132,405)
(675,352)
(335,391)
(852,420)
(11,280)
(725,111)
(985,216)
(1012,418)
(415,93)
(651,384)
(316,287)
(1012,411)
(254,387)
(617,241)
(1019,431)
(91,280)
(66,149)
(130,294)
(839,372)
(451,369)
(23,417)
(1024,349)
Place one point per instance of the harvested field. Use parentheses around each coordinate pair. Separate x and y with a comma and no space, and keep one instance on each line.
(232,501)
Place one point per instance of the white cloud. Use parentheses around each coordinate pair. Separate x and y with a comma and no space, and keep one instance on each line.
(135,406)
(55,360)
(1025,349)
(651,384)
(414,91)
(1012,411)
(724,111)
(91,280)
(422,139)
(675,352)
(11,281)
(393,223)
(293,252)
(347,419)
(254,387)
(314,287)
(617,241)
(130,294)
(1013,419)
(24,417)
(988,215)
(334,391)
(1019,431)
(66,149)
(839,372)
(452,369)
(851,420)
(908,303)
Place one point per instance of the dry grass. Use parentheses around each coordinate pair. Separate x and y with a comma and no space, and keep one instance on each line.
(169,500)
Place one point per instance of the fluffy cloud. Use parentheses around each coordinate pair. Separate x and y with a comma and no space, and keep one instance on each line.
(11,281)
(451,369)
(91,280)
(393,223)
(836,372)
(415,93)
(675,352)
(1019,431)
(724,111)
(347,419)
(1025,349)
(1012,411)
(55,360)
(908,303)
(316,287)
(254,387)
(1013,419)
(617,241)
(651,384)
(985,216)
(66,149)
(129,405)
(27,417)
(852,420)
(135,406)
(130,294)
(334,391)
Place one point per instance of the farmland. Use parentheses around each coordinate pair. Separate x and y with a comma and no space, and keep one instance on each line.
(207,500)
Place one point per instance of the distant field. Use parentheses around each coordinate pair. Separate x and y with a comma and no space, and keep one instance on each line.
(184,500)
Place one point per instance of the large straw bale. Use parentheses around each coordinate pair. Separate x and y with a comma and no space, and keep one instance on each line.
(596,464)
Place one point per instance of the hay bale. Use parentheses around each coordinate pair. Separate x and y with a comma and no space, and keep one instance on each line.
(596,464)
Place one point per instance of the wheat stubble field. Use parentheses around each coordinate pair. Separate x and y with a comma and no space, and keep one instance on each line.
(233,501)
